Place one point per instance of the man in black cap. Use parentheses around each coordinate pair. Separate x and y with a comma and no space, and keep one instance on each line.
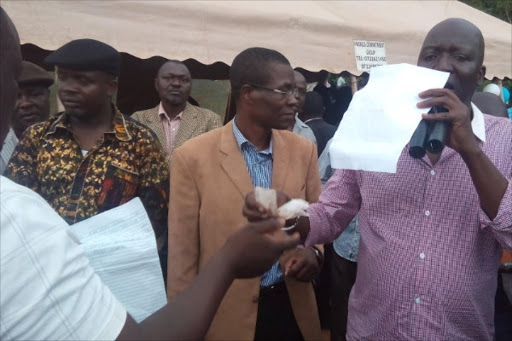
(33,103)
(91,158)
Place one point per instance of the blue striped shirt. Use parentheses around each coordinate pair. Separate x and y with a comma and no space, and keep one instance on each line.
(259,166)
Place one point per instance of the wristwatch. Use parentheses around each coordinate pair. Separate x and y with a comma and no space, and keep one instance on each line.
(319,255)
(291,227)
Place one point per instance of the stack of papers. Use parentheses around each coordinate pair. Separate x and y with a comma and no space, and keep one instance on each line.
(382,118)
(121,247)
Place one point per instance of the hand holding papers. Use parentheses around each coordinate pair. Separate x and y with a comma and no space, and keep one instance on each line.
(382,118)
(121,247)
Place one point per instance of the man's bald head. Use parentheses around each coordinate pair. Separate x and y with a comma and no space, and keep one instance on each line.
(10,69)
(460,27)
(456,46)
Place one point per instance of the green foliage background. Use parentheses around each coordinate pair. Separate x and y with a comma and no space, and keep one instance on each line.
(501,9)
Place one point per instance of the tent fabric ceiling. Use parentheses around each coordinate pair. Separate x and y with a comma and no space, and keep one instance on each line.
(313,35)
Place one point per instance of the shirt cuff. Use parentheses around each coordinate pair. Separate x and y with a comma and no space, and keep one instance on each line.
(314,231)
(503,220)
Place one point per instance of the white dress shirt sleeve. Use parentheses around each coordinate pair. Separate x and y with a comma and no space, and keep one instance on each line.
(48,289)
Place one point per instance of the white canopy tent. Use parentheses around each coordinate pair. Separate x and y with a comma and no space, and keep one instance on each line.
(313,35)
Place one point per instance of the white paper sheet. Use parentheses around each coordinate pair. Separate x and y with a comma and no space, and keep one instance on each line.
(121,247)
(382,118)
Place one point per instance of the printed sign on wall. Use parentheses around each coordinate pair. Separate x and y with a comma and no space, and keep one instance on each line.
(369,54)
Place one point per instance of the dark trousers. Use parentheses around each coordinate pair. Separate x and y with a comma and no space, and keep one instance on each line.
(502,314)
(275,316)
(323,288)
(343,276)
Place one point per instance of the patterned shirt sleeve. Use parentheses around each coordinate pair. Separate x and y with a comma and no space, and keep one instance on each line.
(337,206)
(154,186)
(502,223)
(22,167)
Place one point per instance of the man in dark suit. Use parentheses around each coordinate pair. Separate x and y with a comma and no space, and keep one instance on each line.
(312,115)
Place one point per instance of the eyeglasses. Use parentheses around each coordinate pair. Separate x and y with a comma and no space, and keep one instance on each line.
(284,93)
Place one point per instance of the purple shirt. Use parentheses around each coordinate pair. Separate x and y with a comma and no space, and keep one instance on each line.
(429,255)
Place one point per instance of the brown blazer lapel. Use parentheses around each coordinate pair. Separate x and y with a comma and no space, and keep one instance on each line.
(233,163)
(189,123)
(281,160)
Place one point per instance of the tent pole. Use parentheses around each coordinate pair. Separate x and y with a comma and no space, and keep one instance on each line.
(353,83)
(500,84)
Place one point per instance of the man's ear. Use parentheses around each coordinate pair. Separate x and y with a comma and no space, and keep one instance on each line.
(481,75)
(246,92)
(112,86)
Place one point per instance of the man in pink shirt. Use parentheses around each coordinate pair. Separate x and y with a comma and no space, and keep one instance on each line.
(432,233)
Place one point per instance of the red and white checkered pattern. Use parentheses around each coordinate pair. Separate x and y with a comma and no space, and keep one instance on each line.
(429,255)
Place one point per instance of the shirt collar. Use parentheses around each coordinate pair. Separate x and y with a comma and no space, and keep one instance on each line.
(478,123)
(162,113)
(312,119)
(241,139)
(299,122)
(120,129)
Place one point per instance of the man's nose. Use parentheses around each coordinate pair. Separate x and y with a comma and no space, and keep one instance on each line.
(444,63)
(24,101)
(66,86)
(293,100)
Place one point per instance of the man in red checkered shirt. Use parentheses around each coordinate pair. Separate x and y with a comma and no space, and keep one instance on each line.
(432,233)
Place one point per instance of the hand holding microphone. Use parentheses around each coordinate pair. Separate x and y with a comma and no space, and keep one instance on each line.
(447,123)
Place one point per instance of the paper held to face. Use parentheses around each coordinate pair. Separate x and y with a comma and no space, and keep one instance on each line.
(382,117)
(294,208)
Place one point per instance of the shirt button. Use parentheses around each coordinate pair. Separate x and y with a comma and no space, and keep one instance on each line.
(422,255)
(417,300)
(433,172)
(427,213)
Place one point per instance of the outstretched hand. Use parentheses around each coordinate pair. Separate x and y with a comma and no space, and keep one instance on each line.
(253,249)
(460,134)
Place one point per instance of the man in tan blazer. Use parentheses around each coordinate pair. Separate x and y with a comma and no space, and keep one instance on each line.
(174,120)
(210,177)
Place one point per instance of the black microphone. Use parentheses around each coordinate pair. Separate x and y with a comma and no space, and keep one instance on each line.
(418,140)
(437,137)
(429,136)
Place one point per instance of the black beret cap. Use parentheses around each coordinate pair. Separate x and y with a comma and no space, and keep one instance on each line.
(31,74)
(86,55)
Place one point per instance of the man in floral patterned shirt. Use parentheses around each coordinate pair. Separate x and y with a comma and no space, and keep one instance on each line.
(91,158)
